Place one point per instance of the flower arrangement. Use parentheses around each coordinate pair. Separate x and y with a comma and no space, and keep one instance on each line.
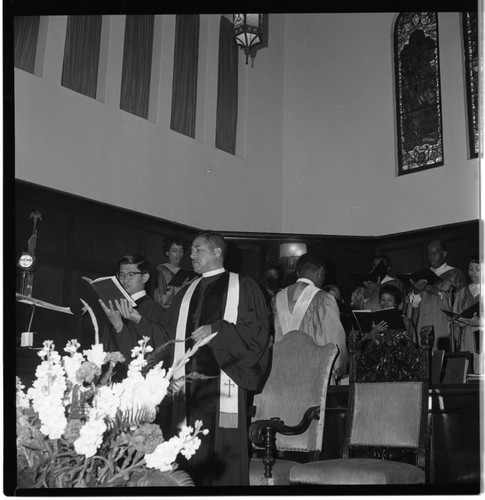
(77,428)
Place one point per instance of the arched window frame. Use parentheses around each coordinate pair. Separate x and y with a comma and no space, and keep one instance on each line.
(470,47)
(418,92)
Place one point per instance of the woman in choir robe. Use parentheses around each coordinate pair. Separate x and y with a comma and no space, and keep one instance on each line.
(465,328)
(390,296)
(174,250)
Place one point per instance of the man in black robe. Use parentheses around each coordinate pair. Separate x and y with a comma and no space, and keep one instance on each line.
(237,359)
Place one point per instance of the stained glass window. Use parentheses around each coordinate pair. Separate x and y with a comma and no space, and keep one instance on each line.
(470,43)
(418,93)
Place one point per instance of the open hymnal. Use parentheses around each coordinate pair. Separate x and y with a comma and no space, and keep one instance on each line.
(181,276)
(391,315)
(426,274)
(109,288)
(467,313)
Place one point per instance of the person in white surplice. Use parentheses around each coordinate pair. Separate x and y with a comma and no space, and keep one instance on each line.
(305,306)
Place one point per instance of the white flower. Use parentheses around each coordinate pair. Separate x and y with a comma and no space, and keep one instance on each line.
(95,355)
(72,346)
(47,394)
(107,401)
(22,401)
(90,437)
(166,453)
(72,364)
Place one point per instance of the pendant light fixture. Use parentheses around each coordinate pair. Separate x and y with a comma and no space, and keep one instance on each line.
(248,31)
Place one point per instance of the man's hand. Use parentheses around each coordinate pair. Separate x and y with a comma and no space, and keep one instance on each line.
(113,316)
(127,311)
(202,332)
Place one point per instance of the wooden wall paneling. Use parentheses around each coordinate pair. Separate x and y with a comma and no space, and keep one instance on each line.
(404,258)
(246,257)
(461,239)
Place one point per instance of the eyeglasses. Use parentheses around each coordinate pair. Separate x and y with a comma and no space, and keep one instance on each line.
(127,276)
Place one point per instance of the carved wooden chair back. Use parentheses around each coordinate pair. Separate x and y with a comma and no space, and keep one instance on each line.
(291,405)
(388,396)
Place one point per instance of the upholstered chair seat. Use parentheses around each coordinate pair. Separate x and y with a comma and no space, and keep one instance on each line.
(357,471)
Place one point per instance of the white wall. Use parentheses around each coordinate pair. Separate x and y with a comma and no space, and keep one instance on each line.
(76,144)
(340,158)
(316,145)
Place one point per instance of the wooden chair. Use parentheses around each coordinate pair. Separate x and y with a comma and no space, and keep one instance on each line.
(386,438)
(292,405)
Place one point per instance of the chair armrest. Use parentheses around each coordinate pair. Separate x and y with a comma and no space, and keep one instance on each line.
(262,433)
(259,429)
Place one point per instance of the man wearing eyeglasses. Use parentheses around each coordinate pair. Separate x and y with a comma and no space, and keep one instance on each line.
(130,324)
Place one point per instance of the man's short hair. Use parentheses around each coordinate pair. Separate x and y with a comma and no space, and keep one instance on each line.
(309,262)
(393,291)
(442,244)
(138,260)
(215,239)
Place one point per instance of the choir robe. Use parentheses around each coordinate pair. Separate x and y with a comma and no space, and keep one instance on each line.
(429,310)
(321,321)
(242,349)
(163,292)
(150,326)
(465,335)
(358,301)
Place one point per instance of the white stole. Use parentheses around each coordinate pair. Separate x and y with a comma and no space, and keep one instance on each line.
(228,403)
(290,321)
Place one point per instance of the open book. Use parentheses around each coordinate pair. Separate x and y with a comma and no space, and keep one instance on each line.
(391,315)
(181,276)
(109,288)
(426,274)
(466,313)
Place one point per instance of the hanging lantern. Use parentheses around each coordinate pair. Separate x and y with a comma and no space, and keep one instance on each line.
(248,31)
